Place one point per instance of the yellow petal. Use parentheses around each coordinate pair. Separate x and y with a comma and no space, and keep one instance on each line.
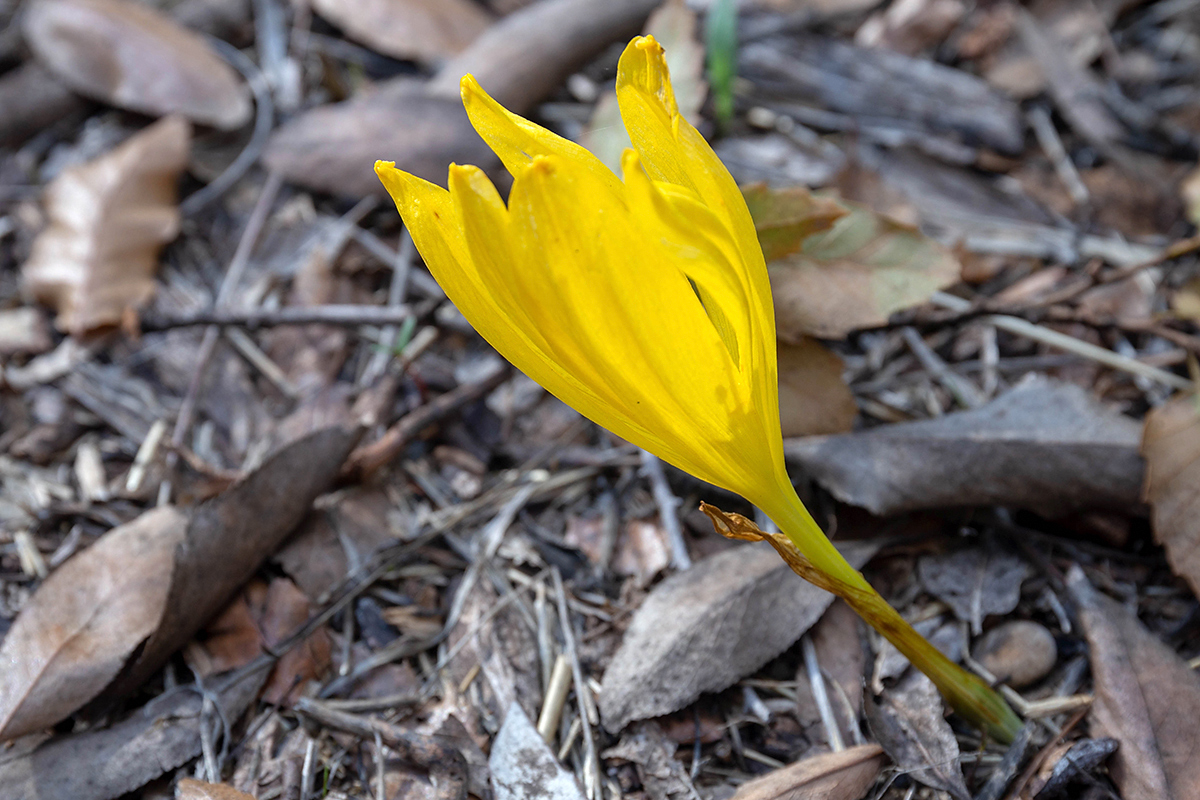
(518,141)
(672,150)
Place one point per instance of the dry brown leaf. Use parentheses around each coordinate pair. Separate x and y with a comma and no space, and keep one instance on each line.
(423,128)
(908,721)
(230,536)
(76,632)
(785,218)
(1146,698)
(830,776)
(975,582)
(911,27)
(148,588)
(189,789)
(855,275)
(422,30)
(135,57)
(104,763)
(813,397)
(1044,445)
(286,611)
(108,220)
(262,617)
(673,24)
(1171,447)
(24,330)
(641,551)
(701,630)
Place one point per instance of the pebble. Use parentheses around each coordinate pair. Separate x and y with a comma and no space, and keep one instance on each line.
(1019,653)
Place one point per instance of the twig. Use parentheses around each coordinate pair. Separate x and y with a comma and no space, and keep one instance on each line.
(1047,136)
(367,459)
(555,699)
(1053,338)
(592,784)
(445,763)
(1036,762)
(401,269)
(264,121)
(668,509)
(816,682)
(333,314)
(262,362)
(233,276)
(962,389)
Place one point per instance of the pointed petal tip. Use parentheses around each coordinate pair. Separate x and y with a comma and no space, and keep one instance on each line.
(469,88)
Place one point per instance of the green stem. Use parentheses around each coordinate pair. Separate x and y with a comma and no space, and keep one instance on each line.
(966,693)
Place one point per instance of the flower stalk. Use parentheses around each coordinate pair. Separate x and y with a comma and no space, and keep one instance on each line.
(967,694)
(642,300)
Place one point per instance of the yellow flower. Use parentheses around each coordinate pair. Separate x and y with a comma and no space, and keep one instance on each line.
(642,301)
(644,304)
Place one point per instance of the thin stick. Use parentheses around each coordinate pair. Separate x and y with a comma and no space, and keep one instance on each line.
(233,276)
(592,761)
(264,121)
(332,314)
(668,509)
(1053,338)
(250,351)
(962,389)
(1047,136)
(556,698)
(816,682)
(401,269)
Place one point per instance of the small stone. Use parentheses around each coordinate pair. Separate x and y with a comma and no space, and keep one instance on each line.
(1019,653)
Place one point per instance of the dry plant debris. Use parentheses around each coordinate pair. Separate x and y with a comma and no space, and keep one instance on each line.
(215,585)
(1147,698)
(108,219)
(701,630)
(1043,445)
(134,57)
(424,30)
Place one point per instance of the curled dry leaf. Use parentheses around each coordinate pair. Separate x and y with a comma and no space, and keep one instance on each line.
(108,220)
(1044,445)
(1146,698)
(830,776)
(424,30)
(908,722)
(701,630)
(1171,447)
(813,397)
(856,274)
(134,57)
(80,627)
(104,763)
